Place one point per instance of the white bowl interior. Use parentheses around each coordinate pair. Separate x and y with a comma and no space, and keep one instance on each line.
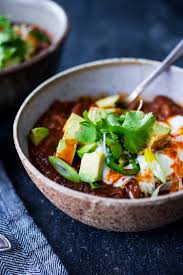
(46,14)
(116,75)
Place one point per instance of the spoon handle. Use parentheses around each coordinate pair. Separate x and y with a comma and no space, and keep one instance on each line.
(4,244)
(173,56)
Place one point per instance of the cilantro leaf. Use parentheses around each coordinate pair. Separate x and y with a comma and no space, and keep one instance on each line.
(102,126)
(39,35)
(88,132)
(115,147)
(113,119)
(12,47)
(5,37)
(137,129)
(122,118)
(12,51)
(20,46)
(6,54)
(116,150)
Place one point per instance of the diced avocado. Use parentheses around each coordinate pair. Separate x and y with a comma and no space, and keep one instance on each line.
(107,102)
(91,167)
(160,129)
(88,148)
(96,114)
(38,134)
(72,126)
(66,149)
(117,111)
(64,169)
(160,134)
(111,110)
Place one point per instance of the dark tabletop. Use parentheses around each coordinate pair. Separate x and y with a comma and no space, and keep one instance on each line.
(103,29)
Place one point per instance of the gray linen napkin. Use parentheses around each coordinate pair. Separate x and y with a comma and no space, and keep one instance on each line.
(30,253)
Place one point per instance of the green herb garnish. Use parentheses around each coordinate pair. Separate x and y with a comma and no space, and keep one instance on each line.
(12,47)
(115,147)
(16,48)
(111,139)
(40,36)
(88,132)
(137,129)
(129,132)
(113,119)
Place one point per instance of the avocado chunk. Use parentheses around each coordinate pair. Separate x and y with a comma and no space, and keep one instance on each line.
(96,114)
(88,148)
(64,169)
(38,134)
(91,167)
(159,137)
(72,126)
(66,149)
(107,102)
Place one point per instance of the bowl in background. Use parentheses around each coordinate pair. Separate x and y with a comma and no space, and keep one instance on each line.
(18,81)
(113,75)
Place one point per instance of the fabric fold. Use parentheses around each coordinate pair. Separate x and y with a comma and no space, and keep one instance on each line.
(30,253)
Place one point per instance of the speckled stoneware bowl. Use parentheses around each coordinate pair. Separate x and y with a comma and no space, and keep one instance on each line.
(17,82)
(112,75)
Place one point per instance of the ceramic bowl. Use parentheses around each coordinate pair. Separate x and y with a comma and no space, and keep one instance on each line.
(110,76)
(17,82)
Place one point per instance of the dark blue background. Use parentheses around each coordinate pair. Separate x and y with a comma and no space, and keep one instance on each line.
(103,29)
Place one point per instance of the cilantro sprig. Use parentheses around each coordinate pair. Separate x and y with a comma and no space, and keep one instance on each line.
(137,129)
(12,47)
(16,48)
(131,131)
(88,131)
(40,36)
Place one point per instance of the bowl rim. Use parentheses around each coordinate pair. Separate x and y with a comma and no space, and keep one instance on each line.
(74,193)
(46,52)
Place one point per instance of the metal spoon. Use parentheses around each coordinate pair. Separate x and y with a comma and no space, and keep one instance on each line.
(173,56)
(4,244)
